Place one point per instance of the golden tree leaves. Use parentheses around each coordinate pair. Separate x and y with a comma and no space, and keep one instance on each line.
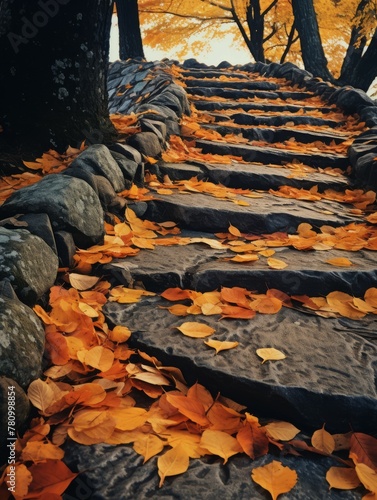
(275,478)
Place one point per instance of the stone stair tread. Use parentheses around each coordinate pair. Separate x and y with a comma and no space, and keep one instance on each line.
(327,377)
(232,84)
(278,134)
(250,106)
(199,267)
(281,119)
(265,214)
(273,155)
(207,476)
(244,94)
(213,73)
(253,176)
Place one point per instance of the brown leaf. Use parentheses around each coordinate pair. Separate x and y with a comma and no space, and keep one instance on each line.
(342,478)
(364,449)
(253,440)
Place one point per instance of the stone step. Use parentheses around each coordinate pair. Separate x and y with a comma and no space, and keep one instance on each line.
(199,267)
(251,106)
(265,214)
(213,73)
(229,84)
(273,155)
(320,372)
(207,476)
(253,176)
(278,134)
(277,121)
(247,94)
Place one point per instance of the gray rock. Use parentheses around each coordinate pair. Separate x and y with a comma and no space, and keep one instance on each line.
(21,342)
(39,225)
(169,100)
(351,100)
(99,158)
(158,111)
(128,167)
(207,478)
(11,392)
(145,142)
(110,201)
(71,204)
(127,151)
(86,173)
(158,128)
(28,262)
(66,248)
(320,381)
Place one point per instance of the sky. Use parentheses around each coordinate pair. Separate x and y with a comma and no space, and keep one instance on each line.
(217,51)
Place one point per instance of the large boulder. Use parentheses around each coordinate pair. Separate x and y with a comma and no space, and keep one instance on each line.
(12,398)
(71,204)
(28,262)
(21,339)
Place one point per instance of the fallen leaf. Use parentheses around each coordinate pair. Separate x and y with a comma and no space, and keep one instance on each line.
(342,478)
(220,443)
(367,476)
(82,281)
(339,262)
(234,231)
(171,463)
(323,441)
(99,357)
(270,354)
(40,394)
(148,445)
(190,407)
(119,334)
(253,440)
(363,449)
(50,478)
(282,431)
(195,330)
(219,345)
(276,263)
(275,478)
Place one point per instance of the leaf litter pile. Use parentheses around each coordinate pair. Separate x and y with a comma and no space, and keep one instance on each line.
(89,392)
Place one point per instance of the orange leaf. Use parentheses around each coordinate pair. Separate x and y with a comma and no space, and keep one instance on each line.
(367,476)
(174,294)
(237,312)
(173,462)
(119,334)
(37,451)
(339,262)
(342,478)
(99,357)
(234,231)
(220,443)
(283,431)
(275,478)
(221,345)
(148,445)
(276,263)
(323,441)
(190,407)
(364,449)
(253,440)
(51,477)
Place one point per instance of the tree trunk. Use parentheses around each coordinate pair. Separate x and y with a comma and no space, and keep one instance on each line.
(365,71)
(312,51)
(255,22)
(130,42)
(54,60)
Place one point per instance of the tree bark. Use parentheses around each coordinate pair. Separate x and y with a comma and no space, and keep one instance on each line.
(54,60)
(130,42)
(312,51)
(365,71)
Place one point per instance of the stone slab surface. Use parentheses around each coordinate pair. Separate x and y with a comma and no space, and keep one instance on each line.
(265,106)
(267,214)
(273,155)
(201,268)
(328,368)
(206,479)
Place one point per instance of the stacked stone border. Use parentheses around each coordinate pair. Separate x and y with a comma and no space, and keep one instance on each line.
(41,225)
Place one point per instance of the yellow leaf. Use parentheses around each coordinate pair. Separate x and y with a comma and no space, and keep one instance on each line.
(99,357)
(82,281)
(88,310)
(219,345)
(245,258)
(37,451)
(195,330)
(267,253)
(367,476)
(342,478)
(340,262)
(323,440)
(220,443)
(40,394)
(173,462)
(234,231)
(208,309)
(119,334)
(276,263)
(152,378)
(275,478)
(283,431)
(164,191)
(128,419)
(270,354)
(148,445)
(208,241)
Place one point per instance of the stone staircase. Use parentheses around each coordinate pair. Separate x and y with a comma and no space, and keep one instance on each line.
(329,374)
